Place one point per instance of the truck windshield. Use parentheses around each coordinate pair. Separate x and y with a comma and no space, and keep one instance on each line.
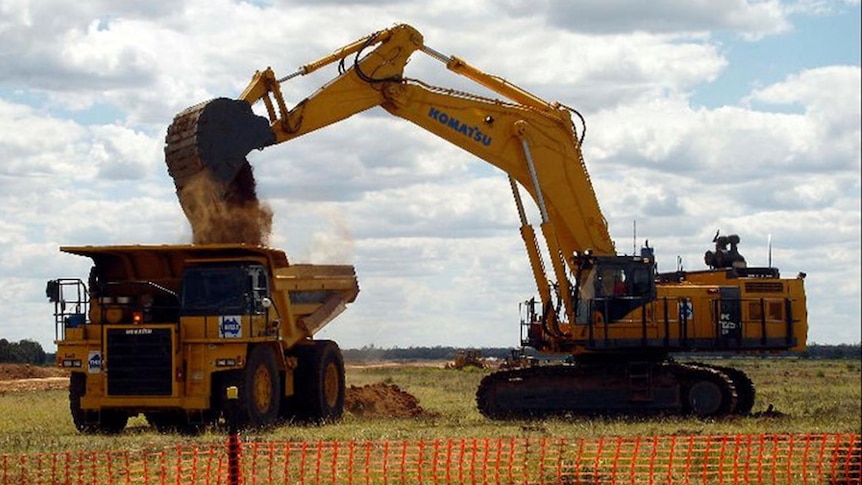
(214,291)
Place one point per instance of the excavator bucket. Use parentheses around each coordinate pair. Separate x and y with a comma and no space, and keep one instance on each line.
(205,151)
(214,136)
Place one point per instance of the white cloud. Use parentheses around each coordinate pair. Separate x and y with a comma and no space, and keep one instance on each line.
(750,19)
(88,89)
(51,153)
(833,106)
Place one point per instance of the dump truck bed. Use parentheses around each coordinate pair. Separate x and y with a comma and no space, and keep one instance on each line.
(316,293)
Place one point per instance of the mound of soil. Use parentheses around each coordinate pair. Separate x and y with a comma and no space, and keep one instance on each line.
(25,378)
(382,400)
(11,372)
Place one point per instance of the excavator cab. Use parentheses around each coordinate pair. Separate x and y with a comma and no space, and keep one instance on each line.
(611,287)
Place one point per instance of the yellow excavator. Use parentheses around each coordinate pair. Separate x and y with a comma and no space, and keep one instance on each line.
(618,319)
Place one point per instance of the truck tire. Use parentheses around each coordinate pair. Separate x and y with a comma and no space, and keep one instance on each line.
(112,421)
(319,382)
(92,422)
(259,389)
(84,421)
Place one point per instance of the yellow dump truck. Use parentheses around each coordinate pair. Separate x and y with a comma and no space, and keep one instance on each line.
(163,330)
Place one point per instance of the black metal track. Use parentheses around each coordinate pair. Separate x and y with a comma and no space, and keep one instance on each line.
(610,388)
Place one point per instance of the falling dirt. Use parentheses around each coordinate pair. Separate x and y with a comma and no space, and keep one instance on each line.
(382,401)
(226,214)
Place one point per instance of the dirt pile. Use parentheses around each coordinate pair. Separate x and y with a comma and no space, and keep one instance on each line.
(33,385)
(382,401)
(27,378)
(10,372)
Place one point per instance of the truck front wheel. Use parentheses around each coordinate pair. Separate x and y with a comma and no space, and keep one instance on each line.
(259,388)
(88,421)
(320,386)
(84,421)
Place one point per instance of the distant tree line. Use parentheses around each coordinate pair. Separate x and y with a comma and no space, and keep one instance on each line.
(371,353)
(840,351)
(23,352)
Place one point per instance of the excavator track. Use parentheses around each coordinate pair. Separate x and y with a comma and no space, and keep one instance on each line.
(608,387)
(745,389)
(707,391)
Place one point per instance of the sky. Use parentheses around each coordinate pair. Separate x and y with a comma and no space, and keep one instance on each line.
(740,115)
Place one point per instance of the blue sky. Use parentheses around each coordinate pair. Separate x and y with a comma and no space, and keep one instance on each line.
(829,38)
(741,115)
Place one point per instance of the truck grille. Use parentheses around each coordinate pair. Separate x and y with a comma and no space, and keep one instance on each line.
(139,361)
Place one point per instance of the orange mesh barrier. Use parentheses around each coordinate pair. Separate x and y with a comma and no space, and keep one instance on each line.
(733,459)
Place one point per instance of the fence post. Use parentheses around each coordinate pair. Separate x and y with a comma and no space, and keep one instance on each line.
(233,444)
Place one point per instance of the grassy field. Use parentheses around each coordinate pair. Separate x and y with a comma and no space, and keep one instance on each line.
(814,396)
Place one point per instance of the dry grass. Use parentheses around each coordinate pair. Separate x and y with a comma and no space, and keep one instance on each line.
(816,396)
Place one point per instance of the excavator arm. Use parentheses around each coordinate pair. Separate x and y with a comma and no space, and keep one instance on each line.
(534,142)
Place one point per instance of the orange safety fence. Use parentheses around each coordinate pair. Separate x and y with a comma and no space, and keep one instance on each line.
(725,459)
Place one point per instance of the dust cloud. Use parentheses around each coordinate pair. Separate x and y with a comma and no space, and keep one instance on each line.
(226,213)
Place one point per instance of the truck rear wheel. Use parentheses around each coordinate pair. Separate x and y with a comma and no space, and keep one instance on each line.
(319,382)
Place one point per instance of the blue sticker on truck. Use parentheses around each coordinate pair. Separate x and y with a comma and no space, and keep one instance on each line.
(94,362)
(230,326)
